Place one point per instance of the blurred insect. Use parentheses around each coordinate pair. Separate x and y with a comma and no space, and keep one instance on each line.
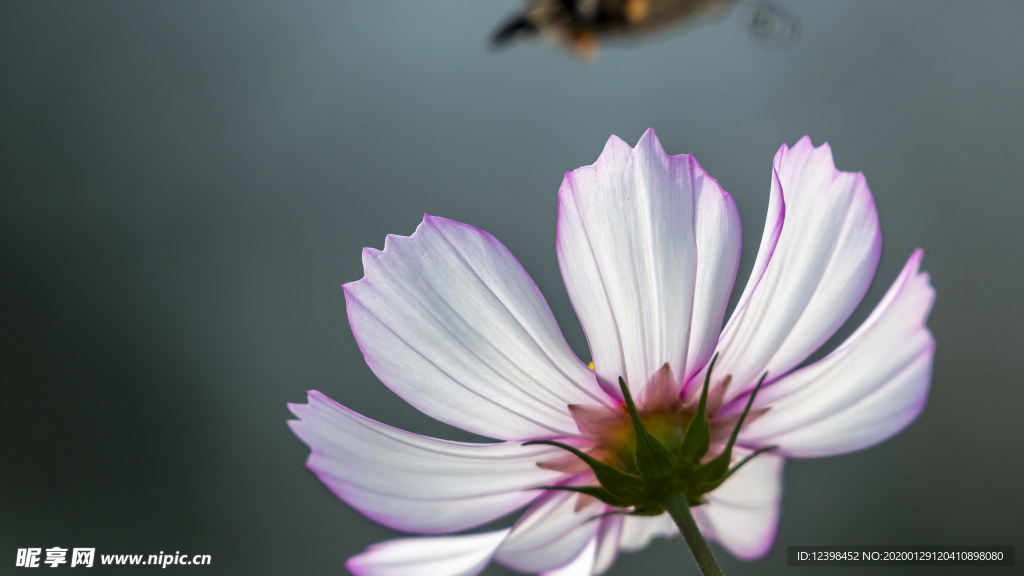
(579,25)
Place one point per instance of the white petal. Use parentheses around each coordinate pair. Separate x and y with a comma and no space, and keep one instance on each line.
(412,482)
(648,246)
(608,537)
(583,565)
(868,389)
(638,531)
(450,321)
(742,514)
(551,533)
(816,275)
(437,556)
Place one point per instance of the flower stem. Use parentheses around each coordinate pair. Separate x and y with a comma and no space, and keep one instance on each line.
(679,509)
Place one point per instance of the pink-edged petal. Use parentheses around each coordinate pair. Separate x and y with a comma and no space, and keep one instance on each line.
(412,482)
(599,554)
(608,537)
(774,220)
(551,533)
(638,531)
(868,389)
(817,272)
(648,245)
(448,319)
(582,565)
(743,513)
(437,556)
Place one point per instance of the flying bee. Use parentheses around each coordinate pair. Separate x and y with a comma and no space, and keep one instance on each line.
(579,25)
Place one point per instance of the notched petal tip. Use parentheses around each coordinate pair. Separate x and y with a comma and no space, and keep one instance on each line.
(617,151)
(914,266)
(613,147)
(302,410)
(804,151)
(449,320)
(868,389)
(805,145)
(649,147)
(393,241)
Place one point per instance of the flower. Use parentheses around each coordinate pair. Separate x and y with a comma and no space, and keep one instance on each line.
(649,246)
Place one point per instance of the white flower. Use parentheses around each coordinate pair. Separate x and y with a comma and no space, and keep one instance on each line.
(649,246)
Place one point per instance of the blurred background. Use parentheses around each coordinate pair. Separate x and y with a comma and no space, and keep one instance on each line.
(186,184)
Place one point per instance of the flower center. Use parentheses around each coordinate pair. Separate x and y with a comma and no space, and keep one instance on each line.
(640,458)
(616,444)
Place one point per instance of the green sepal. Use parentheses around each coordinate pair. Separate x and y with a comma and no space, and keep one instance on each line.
(746,410)
(653,458)
(711,475)
(621,484)
(697,437)
(746,459)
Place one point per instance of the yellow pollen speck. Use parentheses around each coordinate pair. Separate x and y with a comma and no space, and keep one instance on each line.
(591,365)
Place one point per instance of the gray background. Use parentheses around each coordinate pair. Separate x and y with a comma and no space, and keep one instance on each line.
(185,185)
